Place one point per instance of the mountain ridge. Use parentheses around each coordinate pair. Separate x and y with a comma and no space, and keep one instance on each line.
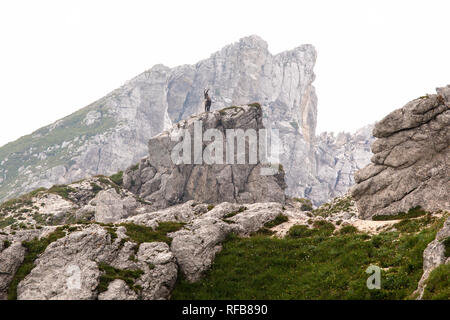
(112,133)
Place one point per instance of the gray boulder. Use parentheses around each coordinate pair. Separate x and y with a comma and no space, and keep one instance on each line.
(10,260)
(118,290)
(164,183)
(69,268)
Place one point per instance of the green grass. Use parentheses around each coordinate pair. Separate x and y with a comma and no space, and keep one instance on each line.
(320,229)
(233,213)
(413,225)
(412,213)
(312,265)
(6,244)
(62,190)
(108,182)
(265,230)
(39,141)
(281,218)
(14,204)
(33,249)
(446,243)
(438,284)
(141,234)
(112,232)
(117,178)
(110,274)
(348,230)
(95,188)
(7,222)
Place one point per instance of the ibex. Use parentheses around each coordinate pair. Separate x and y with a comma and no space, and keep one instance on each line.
(207,100)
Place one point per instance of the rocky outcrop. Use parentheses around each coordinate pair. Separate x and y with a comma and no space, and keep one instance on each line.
(337,159)
(10,260)
(112,133)
(71,268)
(103,261)
(410,163)
(164,183)
(95,199)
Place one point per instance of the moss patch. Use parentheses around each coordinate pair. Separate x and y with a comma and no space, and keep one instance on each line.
(62,190)
(110,274)
(446,243)
(233,213)
(7,222)
(348,230)
(281,218)
(141,234)
(117,178)
(95,188)
(6,244)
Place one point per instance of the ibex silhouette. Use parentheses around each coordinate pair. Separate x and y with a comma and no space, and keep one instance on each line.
(207,100)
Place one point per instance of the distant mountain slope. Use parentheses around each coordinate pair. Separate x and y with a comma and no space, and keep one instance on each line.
(112,133)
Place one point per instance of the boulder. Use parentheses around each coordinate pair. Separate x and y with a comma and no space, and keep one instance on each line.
(164,183)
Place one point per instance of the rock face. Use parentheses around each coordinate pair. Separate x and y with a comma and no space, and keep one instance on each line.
(112,133)
(10,260)
(410,163)
(164,183)
(338,158)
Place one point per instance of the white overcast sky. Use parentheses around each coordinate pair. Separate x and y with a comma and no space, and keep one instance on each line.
(373,56)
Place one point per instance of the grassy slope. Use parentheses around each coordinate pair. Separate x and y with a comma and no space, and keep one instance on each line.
(72,126)
(314,266)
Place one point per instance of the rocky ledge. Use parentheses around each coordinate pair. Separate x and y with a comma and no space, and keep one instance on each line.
(410,163)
